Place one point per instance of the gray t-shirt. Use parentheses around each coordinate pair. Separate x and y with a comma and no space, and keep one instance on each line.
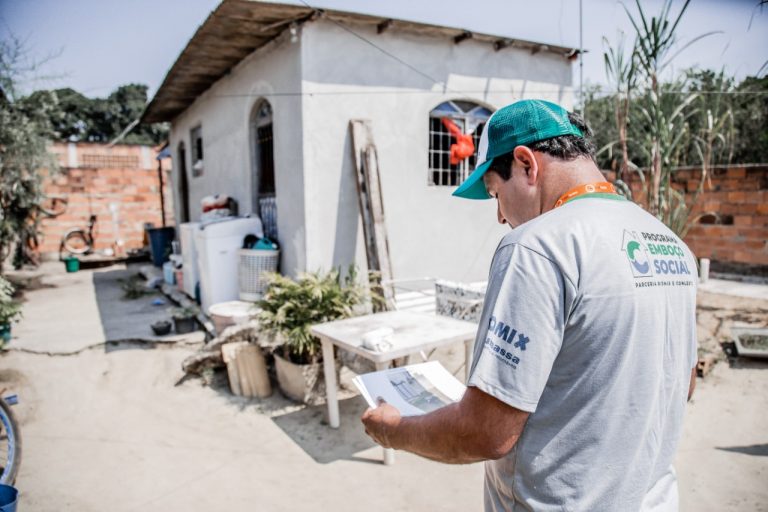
(589,324)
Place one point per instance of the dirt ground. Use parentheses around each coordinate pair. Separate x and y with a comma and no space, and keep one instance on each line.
(111,427)
(722,462)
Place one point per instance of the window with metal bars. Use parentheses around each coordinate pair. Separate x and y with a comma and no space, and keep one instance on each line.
(469,118)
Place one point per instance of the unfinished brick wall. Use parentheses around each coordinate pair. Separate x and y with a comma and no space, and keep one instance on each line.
(97,180)
(738,237)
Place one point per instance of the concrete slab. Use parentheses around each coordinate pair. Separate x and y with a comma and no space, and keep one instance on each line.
(735,288)
(722,461)
(68,312)
(112,432)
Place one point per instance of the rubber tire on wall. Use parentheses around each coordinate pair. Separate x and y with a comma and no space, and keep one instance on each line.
(72,235)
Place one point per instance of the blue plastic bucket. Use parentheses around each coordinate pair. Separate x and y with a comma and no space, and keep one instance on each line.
(160,244)
(8,498)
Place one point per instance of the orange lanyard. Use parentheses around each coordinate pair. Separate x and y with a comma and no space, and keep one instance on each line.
(601,187)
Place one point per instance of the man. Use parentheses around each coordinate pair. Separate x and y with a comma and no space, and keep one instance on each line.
(586,350)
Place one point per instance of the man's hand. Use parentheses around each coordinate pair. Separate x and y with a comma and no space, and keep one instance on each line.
(381,422)
(477,427)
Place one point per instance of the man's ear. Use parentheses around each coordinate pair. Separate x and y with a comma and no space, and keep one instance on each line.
(525,159)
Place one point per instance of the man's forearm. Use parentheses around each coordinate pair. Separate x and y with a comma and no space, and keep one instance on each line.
(471,430)
(441,436)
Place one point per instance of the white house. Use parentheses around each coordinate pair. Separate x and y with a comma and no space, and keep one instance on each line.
(260,102)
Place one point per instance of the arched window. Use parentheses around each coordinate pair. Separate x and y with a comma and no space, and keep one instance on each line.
(464,118)
(183,183)
(263,165)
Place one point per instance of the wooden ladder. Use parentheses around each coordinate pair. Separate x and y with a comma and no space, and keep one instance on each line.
(372,210)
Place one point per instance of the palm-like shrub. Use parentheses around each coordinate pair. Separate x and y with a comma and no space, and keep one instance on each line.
(10,310)
(289,307)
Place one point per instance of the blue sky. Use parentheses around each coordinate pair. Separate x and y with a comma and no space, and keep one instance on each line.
(100,44)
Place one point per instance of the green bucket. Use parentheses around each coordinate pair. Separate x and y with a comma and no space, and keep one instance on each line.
(72,264)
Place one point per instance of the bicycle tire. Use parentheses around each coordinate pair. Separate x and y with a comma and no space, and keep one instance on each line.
(70,244)
(10,445)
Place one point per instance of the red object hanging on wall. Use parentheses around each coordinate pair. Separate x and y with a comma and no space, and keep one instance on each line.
(464,146)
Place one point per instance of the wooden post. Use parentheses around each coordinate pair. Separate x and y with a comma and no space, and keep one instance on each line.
(246,369)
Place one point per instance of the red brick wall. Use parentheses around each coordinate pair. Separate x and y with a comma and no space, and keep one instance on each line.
(92,177)
(739,194)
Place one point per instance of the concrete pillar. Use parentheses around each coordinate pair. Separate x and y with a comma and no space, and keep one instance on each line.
(704,270)
(72,155)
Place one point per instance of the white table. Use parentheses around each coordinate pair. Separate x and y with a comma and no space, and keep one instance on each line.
(413,333)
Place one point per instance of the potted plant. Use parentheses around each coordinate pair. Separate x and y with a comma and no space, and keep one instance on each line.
(288,309)
(184,319)
(10,310)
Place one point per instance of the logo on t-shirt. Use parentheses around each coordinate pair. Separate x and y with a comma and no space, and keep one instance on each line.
(500,331)
(655,255)
(637,254)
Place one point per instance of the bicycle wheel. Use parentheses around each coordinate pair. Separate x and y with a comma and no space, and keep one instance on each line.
(76,242)
(10,445)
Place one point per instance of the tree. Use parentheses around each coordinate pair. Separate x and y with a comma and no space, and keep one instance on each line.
(79,118)
(655,40)
(750,108)
(659,123)
(25,131)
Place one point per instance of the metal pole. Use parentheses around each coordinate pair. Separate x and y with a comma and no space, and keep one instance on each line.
(162,196)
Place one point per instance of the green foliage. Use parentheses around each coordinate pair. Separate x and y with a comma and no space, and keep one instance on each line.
(290,307)
(134,288)
(658,126)
(750,107)
(25,131)
(622,71)
(185,312)
(79,118)
(733,117)
(712,125)
(10,310)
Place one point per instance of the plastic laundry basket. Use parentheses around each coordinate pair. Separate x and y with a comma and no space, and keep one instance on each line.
(253,264)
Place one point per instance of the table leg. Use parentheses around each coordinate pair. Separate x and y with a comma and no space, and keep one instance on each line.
(469,346)
(389,454)
(329,371)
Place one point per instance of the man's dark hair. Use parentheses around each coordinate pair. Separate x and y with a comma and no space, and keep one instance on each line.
(564,147)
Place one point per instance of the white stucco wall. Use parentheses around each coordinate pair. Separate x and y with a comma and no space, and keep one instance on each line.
(224,113)
(338,77)
(430,233)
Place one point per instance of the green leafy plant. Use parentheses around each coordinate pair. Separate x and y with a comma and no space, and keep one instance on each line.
(10,310)
(621,70)
(25,132)
(133,287)
(185,312)
(289,307)
(662,125)
(656,39)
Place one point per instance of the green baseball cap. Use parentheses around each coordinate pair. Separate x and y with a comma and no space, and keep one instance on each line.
(521,123)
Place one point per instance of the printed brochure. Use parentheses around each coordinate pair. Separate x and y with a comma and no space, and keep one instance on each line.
(414,390)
